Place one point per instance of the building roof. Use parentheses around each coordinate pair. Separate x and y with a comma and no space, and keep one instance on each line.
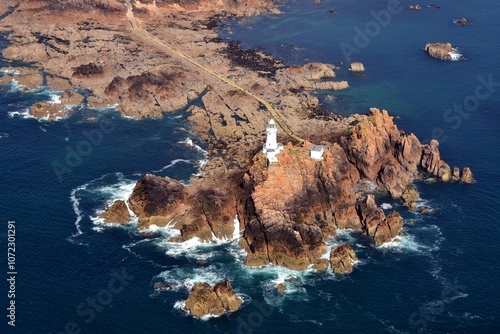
(318,148)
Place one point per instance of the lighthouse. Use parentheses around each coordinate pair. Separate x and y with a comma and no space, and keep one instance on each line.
(271,147)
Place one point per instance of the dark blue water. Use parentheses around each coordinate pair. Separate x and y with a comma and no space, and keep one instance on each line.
(441,278)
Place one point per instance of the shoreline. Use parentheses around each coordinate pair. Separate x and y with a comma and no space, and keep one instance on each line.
(286,210)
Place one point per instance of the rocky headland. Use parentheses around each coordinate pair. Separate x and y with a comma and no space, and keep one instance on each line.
(286,210)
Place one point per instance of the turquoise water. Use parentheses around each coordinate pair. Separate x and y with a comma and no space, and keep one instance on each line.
(442,277)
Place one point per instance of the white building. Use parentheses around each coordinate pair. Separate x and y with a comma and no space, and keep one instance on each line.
(271,147)
(317,152)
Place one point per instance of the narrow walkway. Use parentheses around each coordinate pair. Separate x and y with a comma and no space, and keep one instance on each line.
(277,117)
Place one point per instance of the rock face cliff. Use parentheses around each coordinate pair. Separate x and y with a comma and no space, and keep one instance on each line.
(289,209)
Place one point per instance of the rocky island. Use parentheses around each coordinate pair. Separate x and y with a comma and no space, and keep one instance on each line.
(152,57)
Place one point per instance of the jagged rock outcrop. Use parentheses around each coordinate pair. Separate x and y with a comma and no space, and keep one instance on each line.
(215,301)
(205,211)
(154,195)
(432,163)
(341,259)
(376,224)
(289,209)
(117,213)
(291,205)
(310,76)
(467,176)
(388,229)
(410,197)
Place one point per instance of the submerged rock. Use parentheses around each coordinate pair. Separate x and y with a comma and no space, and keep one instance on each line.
(462,21)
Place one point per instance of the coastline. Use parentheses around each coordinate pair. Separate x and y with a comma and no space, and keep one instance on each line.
(233,143)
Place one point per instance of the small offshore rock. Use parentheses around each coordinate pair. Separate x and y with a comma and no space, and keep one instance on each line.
(207,300)
(443,51)
(165,286)
(414,7)
(462,22)
(427,210)
(467,176)
(281,287)
(341,258)
(357,67)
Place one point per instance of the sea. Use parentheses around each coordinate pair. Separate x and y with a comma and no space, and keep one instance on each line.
(73,274)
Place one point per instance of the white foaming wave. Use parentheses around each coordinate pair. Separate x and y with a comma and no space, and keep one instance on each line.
(186,277)
(76,208)
(11,72)
(346,235)
(455,55)
(181,304)
(236,231)
(75,199)
(202,162)
(295,319)
(171,164)
(330,243)
(194,248)
(405,243)
(55,98)
(233,238)
(121,190)
(108,107)
(386,206)
(188,141)
(22,114)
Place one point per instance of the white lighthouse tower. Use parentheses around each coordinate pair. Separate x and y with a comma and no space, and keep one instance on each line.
(271,147)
